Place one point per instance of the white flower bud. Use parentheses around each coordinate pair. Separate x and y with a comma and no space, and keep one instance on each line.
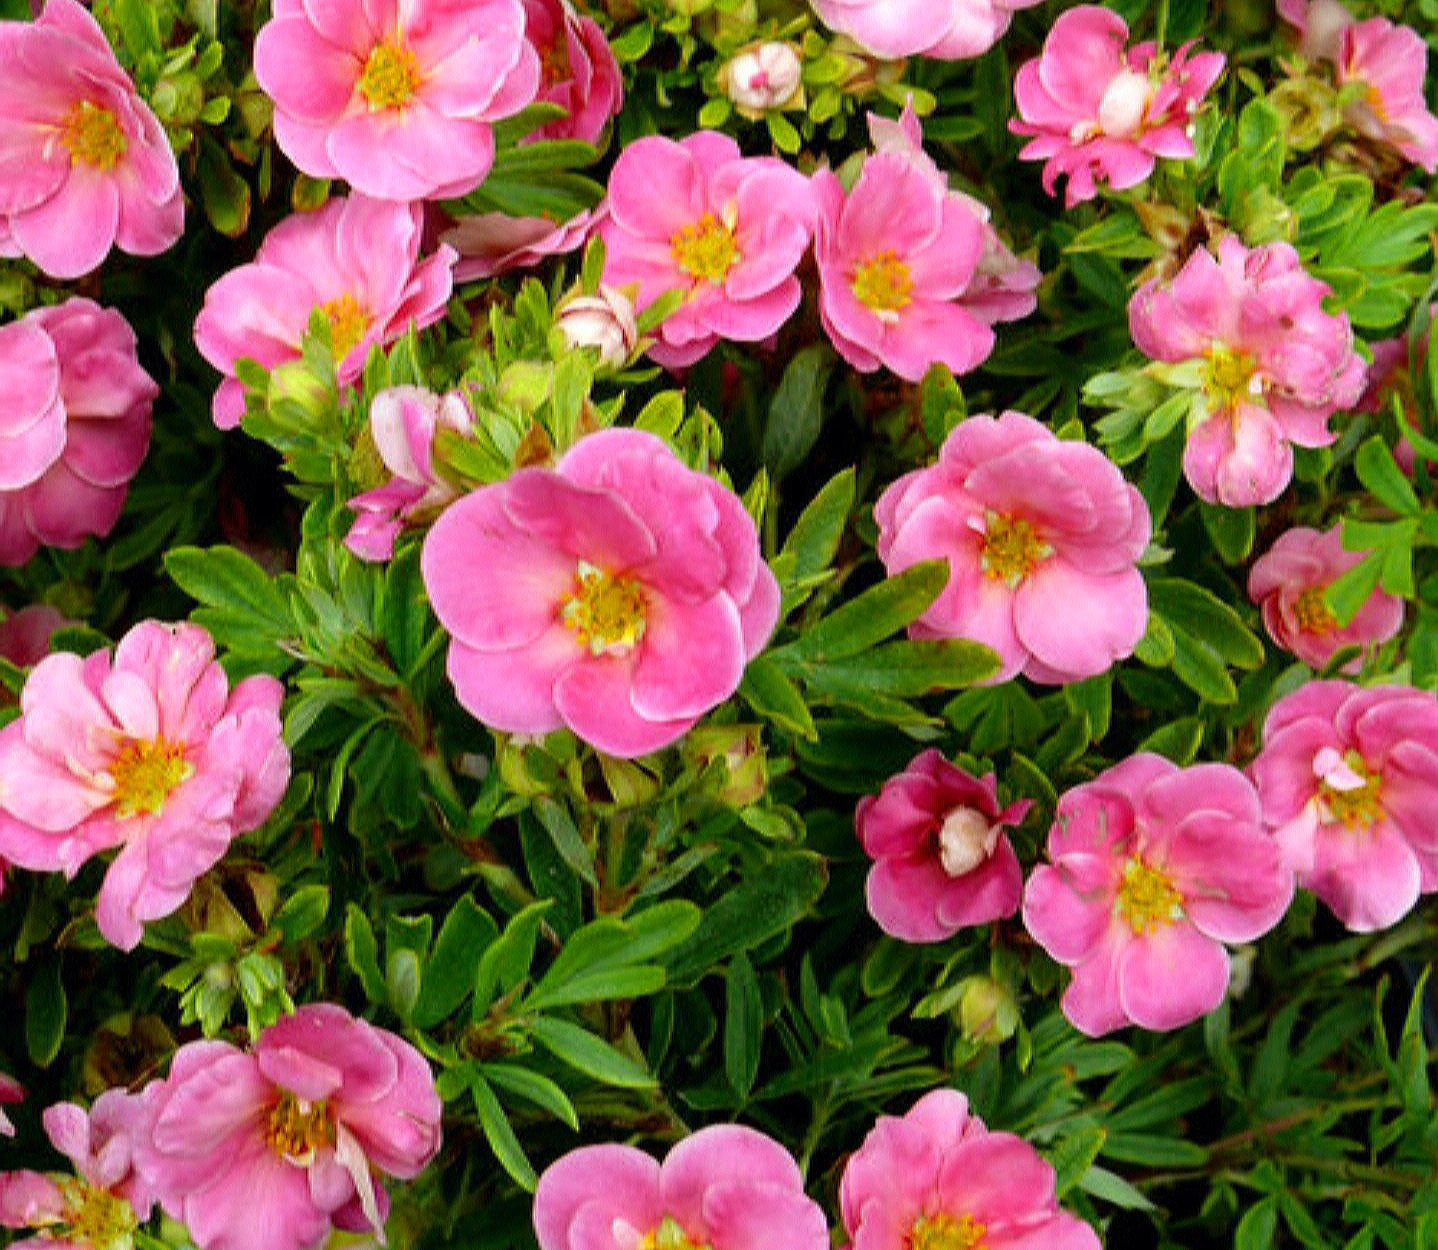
(966,840)
(763,78)
(604,320)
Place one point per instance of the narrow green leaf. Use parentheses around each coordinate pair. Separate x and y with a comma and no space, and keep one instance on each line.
(303,912)
(501,1136)
(816,534)
(449,974)
(775,697)
(363,953)
(563,832)
(872,616)
(505,962)
(1204,615)
(46,1011)
(796,413)
(582,1051)
(1073,1157)
(905,670)
(1102,1183)
(743,1025)
(1256,1229)
(533,1087)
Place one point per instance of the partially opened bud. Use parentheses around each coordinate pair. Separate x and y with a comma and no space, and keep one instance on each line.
(763,78)
(604,320)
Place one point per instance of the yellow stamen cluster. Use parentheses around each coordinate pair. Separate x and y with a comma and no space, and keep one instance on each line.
(1312,612)
(95,1217)
(1358,808)
(1147,898)
(605,612)
(670,1235)
(348,322)
(705,249)
(1229,379)
(93,136)
(145,771)
(390,77)
(883,284)
(944,1232)
(297,1128)
(1012,550)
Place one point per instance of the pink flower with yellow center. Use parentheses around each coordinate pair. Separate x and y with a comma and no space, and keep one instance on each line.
(726,230)
(935,1178)
(84,164)
(1152,868)
(946,30)
(148,751)
(356,261)
(274,1147)
(395,96)
(1041,535)
(725,1187)
(1101,113)
(1348,777)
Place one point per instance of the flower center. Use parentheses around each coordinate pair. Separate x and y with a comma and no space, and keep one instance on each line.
(96,1217)
(297,1128)
(883,284)
(1147,898)
(705,249)
(1313,613)
(93,136)
(1012,548)
(670,1235)
(554,64)
(943,1232)
(145,772)
(1230,378)
(1125,102)
(348,322)
(605,612)
(1348,791)
(966,840)
(390,77)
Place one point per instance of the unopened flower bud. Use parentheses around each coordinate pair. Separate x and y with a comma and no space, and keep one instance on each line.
(763,78)
(987,1012)
(966,839)
(604,320)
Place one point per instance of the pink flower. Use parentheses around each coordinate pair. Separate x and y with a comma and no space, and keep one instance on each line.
(1320,25)
(25,635)
(490,244)
(942,862)
(86,165)
(947,30)
(11,1092)
(1267,364)
(74,427)
(762,77)
(395,98)
(404,421)
(355,260)
(725,1187)
(620,594)
(1349,778)
(1099,113)
(271,1148)
(149,751)
(1041,536)
(1153,868)
(937,1179)
(727,230)
(1288,583)
(577,70)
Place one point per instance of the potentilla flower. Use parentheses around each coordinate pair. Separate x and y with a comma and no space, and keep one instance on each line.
(1288,583)
(942,860)
(937,1179)
(272,1148)
(490,244)
(725,1187)
(1267,365)
(620,594)
(577,70)
(396,99)
(403,422)
(1348,777)
(74,426)
(726,230)
(87,166)
(148,750)
(946,30)
(1042,536)
(1152,869)
(11,1092)
(356,260)
(25,635)
(1102,113)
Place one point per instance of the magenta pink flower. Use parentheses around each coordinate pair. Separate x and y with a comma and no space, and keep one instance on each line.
(356,260)
(1042,537)
(74,427)
(25,635)
(1153,868)
(490,244)
(271,1148)
(942,861)
(1267,364)
(725,1187)
(946,30)
(1349,780)
(577,70)
(1288,583)
(11,1093)
(1100,113)
(395,98)
(620,594)
(84,164)
(149,751)
(937,1179)
(727,230)
(404,421)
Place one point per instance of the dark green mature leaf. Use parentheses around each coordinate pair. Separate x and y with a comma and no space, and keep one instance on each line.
(449,973)
(815,537)
(362,950)
(743,1025)
(608,957)
(905,670)
(1203,614)
(582,1051)
(771,693)
(244,607)
(533,1087)
(505,962)
(796,413)
(46,1010)
(872,616)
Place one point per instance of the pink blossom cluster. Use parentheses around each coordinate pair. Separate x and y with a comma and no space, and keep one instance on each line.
(1247,331)
(74,425)
(1042,538)
(147,751)
(84,164)
(1098,112)
(945,30)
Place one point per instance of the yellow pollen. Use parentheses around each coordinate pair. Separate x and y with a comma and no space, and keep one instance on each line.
(93,136)
(1147,898)
(706,249)
(298,1128)
(1313,613)
(605,612)
(1358,808)
(94,1217)
(348,322)
(390,77)
(1229,379)
(670,1235)
(1012,548)
(554,64)
(883,284)
(943,1232)
(145,772)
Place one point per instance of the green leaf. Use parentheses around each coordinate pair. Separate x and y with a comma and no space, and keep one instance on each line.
(362,951)
(1204,615)
(449,973)
(533,1087)
(1379,472)
(505,962)
(303,912)
(1102,1183)
(500,1134)
(1256,1229)
(907,669)
(872,616)
(563,832)
(605,959)
(582,1051)
(1073,1157)
(796,412)
(1178,740)
(743,1025)
(244,607)
(46,1011)
(816,534)
(1231,530)
(775,697)
(1349,591)
(1150,1151)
